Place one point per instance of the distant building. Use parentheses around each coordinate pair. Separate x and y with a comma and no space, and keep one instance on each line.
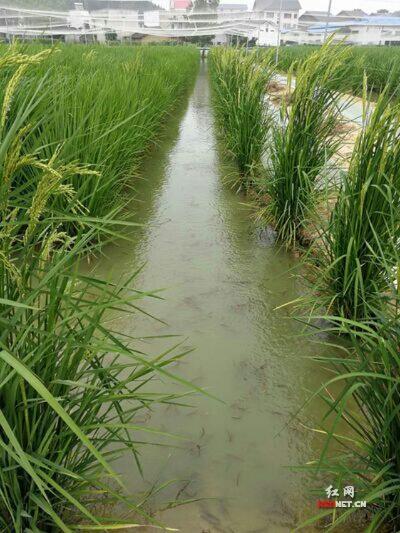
(309,18)
(181,4)
(231,7)
(381,13)
(279,16)
(118,19)
(370,30)
(115,5)
(25,24)
(352,14)
(79,17)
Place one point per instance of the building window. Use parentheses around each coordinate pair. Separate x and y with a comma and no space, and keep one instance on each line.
(269,14)
(295,15)
(286,16)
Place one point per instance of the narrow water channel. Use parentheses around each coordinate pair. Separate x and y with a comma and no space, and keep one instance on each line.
(222,281)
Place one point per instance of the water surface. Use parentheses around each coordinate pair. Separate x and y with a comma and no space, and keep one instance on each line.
(223,279)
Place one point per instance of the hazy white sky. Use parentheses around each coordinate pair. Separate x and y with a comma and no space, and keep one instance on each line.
(337,5)
(369,6)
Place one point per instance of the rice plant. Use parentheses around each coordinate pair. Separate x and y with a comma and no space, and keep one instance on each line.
(70,389)
(106,108)
(357,256)
(357,280)
(361,425)
(239,81)
(378,63)
(304,141)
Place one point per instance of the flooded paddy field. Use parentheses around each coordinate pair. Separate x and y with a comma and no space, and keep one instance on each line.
(168,236)
(222,279)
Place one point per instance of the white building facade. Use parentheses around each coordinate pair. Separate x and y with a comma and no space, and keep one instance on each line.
(279,16)
(99,18)
(373,30)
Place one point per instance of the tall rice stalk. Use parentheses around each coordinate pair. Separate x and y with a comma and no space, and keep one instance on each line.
(357,257)
(357,279)
(239,81)
(70,389)
(361,425)
(106,108)
(379,63)
(304,141)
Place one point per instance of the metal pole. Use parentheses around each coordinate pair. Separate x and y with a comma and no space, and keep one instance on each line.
(51,29)
(328,16)
(6,19)
(278,44)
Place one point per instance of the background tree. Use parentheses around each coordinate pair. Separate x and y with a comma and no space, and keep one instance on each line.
(55,5)
(205,5)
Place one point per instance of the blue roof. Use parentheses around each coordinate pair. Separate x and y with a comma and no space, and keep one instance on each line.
(365,21)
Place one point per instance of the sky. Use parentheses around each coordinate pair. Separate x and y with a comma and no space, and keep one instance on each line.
(369,6)
(337,5)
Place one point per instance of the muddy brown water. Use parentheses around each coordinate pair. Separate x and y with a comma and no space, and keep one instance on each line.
(222,281)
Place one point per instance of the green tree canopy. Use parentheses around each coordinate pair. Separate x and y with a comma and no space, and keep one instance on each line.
(55,5)
(205,5)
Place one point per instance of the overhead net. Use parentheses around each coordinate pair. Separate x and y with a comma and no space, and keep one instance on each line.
(159,22)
